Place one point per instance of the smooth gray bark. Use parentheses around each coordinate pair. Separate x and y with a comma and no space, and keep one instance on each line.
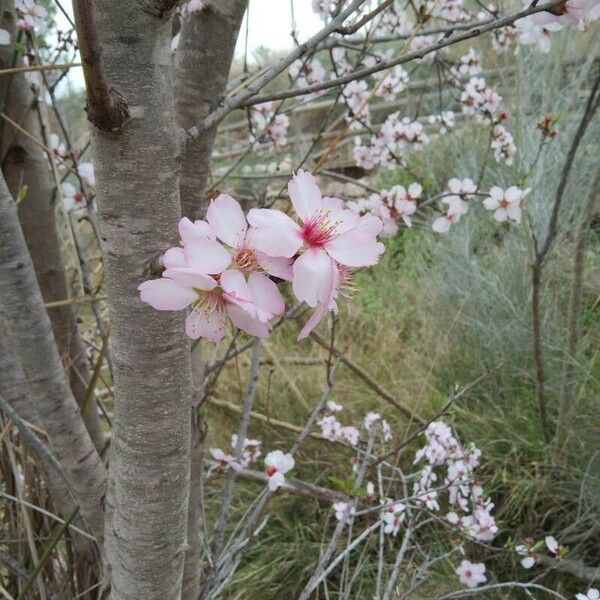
(24,164)
(137,180)
(202,65)
(22,307)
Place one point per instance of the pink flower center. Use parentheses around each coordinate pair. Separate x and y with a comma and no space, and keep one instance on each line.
(271,471)
(245,259)
(318,230)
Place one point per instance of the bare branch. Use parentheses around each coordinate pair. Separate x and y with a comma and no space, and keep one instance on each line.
(280,66)
(106,108)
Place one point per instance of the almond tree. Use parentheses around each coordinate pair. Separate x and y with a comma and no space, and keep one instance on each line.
(153,122)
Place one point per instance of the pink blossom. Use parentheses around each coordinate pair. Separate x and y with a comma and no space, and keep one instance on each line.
(350,435)
(226,219)
(405,203)
(507,205)
(212,302)
(341,510)
(250,450)
(393,516)
(278,464)
(330,428)
(72,198)
(471,574)
(327,236)
(225,460)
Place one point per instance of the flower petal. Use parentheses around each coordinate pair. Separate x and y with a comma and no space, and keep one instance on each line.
(305,194)
(312,277)
(324,307)
(174,258)
(166,294)
(278,266)
(359,246)
(207,256)
(273,232)
(244,321)
(200,230)
(227,220)
(266,297)
(191,278)
(207,323)
(237,290)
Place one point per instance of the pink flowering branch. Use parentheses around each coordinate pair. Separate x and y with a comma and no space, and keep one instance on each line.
(446,41)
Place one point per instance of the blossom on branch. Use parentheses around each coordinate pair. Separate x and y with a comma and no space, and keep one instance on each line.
(471,574)
(278,464)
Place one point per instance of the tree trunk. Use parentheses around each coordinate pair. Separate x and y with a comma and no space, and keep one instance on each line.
(203,62)
(24,164)
(22,307)
(137,179)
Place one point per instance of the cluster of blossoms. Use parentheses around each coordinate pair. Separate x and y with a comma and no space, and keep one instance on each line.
(468,65)
(480,100)
(317,252)
(333,430)
(507,205)
(269,127)
(503,144)
(465,494)
(387,146)
(503,37)
(445,120)
(460,191)
(32,16)
(391,83)
(355,95)
(399,203)
(442,450)
(307,72)
(451,11)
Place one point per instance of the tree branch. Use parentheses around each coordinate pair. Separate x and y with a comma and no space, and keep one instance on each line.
(23,307)
(446,41)
(226,107)
(106,108)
